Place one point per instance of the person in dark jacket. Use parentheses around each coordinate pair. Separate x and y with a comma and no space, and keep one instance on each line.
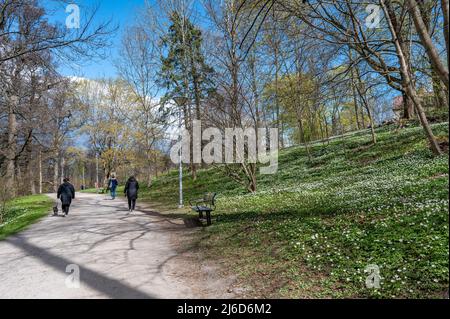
(131,191)
(66,192)
(112,185)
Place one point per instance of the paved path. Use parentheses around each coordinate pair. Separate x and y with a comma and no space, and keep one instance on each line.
(119,255)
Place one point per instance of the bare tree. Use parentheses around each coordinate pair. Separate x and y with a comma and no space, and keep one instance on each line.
(43,36)
(139,65)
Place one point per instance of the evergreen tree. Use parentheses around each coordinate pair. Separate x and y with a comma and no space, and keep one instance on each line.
(184,71)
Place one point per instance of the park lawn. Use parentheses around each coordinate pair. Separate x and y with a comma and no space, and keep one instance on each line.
(313,228)
(89,191)
(23,211)
(94,191)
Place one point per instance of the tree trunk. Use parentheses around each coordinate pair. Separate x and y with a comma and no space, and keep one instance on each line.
(410,89)
(250,171)
(355,102)
(326,128)
(63,163)
(355,98)
(302,137)
(56,172)
(372,123)
(439,92)
(277,100)
(30,169)
(195,80)
(362,94)
(427,42)
(322,135)
(40,171)
(444,6)
(408,107)
(11,188)
(150,176)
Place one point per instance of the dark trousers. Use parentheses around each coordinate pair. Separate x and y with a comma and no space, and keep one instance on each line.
(131,203)
(65,209)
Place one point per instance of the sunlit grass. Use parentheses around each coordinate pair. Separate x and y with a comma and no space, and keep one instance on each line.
(22,212)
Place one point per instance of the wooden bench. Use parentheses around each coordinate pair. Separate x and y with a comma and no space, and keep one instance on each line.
(204,205)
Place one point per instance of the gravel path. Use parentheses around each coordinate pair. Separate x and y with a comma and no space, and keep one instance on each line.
(119,255)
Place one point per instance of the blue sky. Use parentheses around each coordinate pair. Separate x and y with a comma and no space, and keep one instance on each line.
(122,13)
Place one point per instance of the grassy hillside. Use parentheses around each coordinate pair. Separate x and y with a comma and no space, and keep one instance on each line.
(313,228)
(22,212)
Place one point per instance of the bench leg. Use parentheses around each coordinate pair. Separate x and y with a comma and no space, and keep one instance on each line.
(208,218)
(200,215)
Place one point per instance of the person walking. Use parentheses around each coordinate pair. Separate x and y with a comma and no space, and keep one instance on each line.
(112,185)
(66,192)
(131,191)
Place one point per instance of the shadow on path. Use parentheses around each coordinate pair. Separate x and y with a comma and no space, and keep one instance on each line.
(107,286)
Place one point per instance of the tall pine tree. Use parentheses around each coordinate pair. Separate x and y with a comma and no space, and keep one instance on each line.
(184,71)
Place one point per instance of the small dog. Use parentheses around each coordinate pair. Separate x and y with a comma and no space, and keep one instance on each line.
(55,210)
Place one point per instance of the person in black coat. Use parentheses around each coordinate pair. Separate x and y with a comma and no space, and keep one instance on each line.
(66,192)
(131,191)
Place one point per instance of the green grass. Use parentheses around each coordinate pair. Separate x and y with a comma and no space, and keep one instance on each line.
(22,212)
(89,191)
(313,228)
(94,191)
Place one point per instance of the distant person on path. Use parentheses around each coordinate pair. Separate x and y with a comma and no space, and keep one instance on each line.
(66,192)
(131,191)
(112,185)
